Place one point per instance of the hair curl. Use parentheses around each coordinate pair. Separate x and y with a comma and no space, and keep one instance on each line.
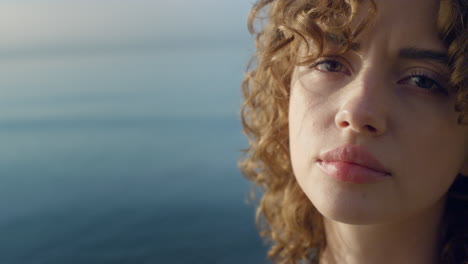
(285,216)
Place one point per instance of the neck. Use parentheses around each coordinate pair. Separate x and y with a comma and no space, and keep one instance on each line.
(414,240)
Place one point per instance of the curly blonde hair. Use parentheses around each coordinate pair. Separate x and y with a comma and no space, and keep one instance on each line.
(285,217)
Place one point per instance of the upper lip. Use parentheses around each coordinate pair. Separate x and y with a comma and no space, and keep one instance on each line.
(354,154)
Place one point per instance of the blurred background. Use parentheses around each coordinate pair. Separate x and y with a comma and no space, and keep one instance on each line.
(120,132)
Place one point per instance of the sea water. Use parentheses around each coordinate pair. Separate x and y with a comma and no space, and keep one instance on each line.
(127,156)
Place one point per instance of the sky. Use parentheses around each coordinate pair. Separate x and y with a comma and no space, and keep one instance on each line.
(27,26)
(89,58)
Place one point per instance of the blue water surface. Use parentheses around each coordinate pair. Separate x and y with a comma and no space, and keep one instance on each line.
(125,157)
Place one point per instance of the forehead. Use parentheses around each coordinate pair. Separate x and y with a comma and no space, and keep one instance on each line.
(406,22)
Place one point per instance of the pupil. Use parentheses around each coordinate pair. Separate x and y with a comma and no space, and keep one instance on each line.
(424,82)
(333,66)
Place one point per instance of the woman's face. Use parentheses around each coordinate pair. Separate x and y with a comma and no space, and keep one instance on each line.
(373,133)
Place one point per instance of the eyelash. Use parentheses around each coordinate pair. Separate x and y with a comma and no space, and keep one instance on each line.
(422,75)
(435,81)
(324,61)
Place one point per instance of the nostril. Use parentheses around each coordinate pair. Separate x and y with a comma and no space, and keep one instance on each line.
(371,128)
(344,124)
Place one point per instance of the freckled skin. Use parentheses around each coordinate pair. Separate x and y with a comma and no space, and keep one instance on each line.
(376,103)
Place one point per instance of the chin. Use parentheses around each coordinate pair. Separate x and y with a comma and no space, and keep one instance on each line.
(350,209)
(351,218)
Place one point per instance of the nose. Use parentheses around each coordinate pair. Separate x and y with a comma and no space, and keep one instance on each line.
(362,111)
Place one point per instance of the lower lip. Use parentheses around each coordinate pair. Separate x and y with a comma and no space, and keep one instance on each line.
(353,173)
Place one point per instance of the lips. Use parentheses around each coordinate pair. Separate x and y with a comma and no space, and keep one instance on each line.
(351,163)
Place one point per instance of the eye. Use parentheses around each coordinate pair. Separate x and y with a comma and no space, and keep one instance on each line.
(425,82)
(329,65)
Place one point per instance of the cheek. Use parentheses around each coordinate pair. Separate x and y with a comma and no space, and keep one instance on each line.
(309,115)
(435,155)
(296,130)
(428,159)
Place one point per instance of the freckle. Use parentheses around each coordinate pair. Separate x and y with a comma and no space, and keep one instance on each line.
(364,196)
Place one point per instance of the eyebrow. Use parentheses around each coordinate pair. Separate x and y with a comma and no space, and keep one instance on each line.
(424,54)
(411,53)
